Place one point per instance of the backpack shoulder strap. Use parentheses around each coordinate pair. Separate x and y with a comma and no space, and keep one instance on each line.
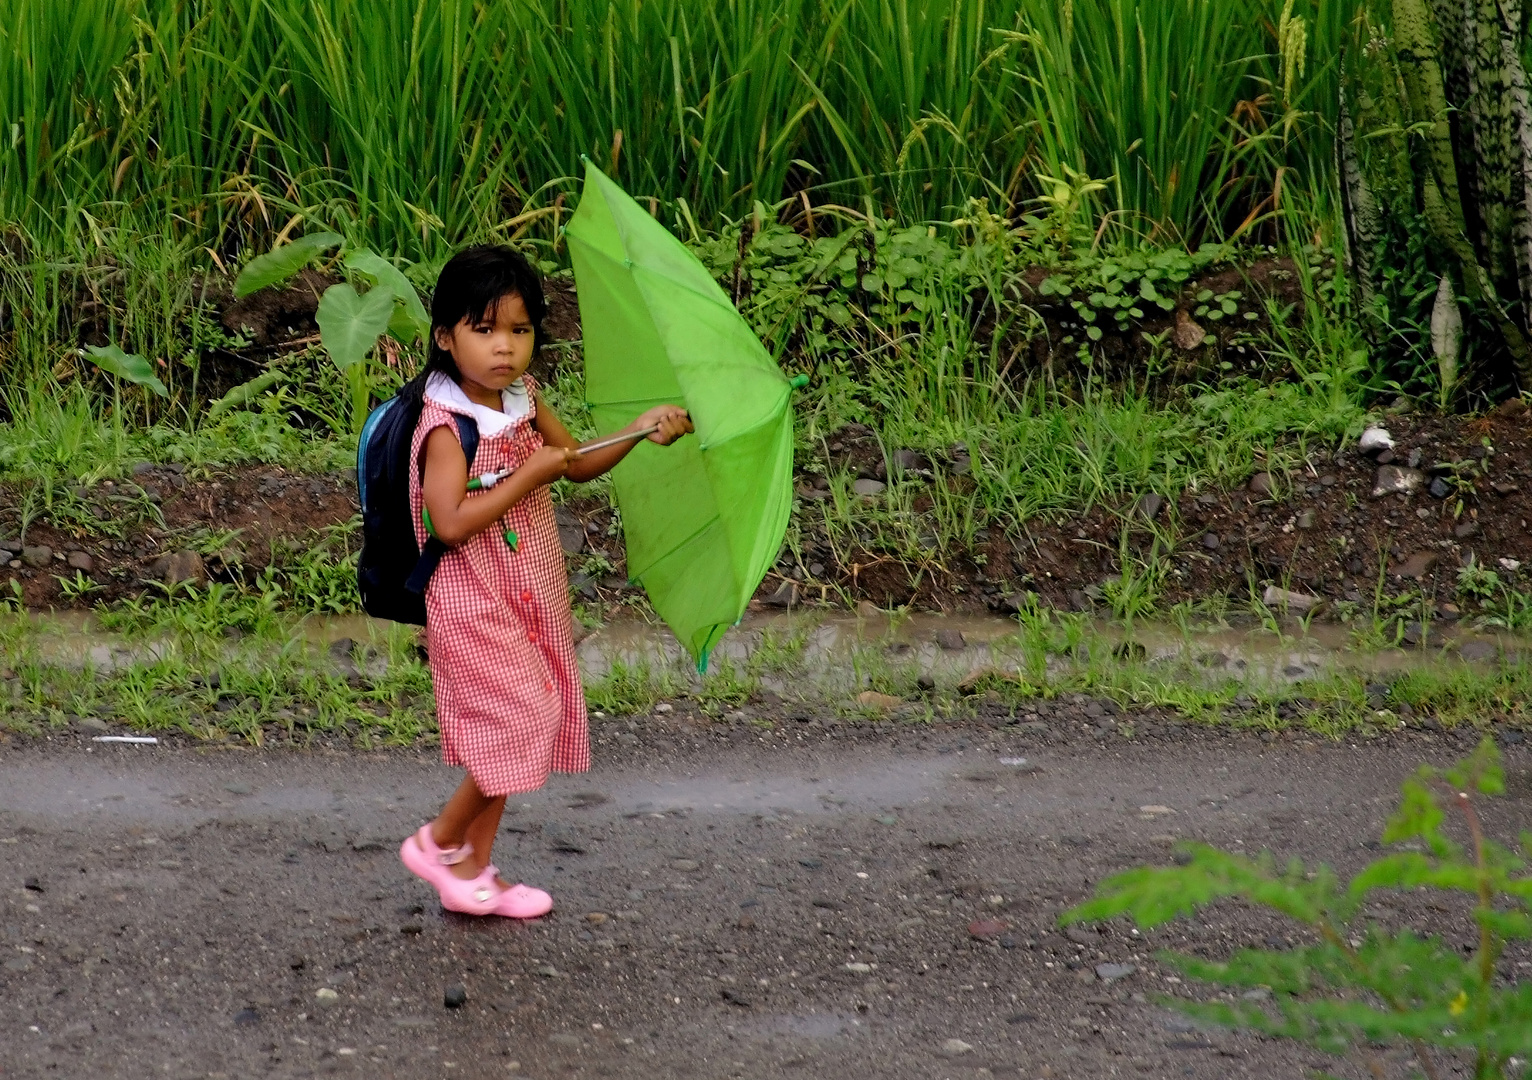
(431,554)
(468,436)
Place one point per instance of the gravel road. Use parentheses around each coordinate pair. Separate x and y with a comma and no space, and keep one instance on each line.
(732,902)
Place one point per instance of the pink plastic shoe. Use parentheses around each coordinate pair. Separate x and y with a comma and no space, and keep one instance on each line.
(477,896)
(428,862)
(522,901)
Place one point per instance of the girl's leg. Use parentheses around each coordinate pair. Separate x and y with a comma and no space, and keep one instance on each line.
(454,826)
(481,833)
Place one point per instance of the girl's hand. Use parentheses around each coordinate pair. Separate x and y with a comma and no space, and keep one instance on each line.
(545,465)
(673,422)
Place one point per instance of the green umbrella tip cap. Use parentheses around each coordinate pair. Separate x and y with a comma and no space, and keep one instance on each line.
(798,382)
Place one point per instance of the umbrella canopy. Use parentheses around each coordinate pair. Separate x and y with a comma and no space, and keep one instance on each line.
(703,519)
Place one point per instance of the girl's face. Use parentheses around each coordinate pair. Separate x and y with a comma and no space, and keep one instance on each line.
(495,351)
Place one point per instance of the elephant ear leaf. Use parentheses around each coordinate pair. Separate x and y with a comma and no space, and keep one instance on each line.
(279,264)
(409,322)
(350,323)
(127,366)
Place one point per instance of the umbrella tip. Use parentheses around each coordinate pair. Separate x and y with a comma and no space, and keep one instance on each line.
(798,382)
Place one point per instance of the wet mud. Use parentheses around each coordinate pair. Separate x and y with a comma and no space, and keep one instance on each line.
(732,902)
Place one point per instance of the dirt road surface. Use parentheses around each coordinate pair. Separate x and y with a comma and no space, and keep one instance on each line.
(734,902)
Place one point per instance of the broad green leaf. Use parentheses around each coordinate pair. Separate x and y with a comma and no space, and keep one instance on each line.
(1479,771)
(129,366)
(244,393)
(282,263)
(410,322)
(349,324)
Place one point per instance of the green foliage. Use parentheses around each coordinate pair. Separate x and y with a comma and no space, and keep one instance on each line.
(127,366)
(1434,161)
(1363,983)
(279,264)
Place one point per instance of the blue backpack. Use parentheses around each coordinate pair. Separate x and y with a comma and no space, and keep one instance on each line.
(393,570)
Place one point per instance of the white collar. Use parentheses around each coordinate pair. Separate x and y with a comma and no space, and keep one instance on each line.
(449,395)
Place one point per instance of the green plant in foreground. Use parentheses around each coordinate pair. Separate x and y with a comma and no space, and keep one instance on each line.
(1362,984)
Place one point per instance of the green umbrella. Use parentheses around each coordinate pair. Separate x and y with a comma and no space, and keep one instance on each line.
(704,518)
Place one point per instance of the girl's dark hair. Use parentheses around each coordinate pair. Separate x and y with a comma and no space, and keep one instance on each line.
(470,285)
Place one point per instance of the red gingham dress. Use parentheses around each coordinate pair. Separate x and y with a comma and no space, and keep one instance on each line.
(499,630)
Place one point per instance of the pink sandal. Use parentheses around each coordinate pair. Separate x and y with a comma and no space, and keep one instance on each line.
(522,901)
(433,865)
(481,895)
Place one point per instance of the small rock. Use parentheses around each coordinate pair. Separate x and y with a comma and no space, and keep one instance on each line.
(325,996)
(1260,485)
(925,683)
(1155,810)
(33,884)
(1149,506)
(1385,458)
(1466,529)
(1396,480)
(143,468)
(1374,441)
(596,918)
(956,1048)
(1295,602)
(1414,633)
(745,922)
(786,596)
(1306,520)
(1113,972)
(867,488)
(951,640)
(92,723)
(37,556)
(1211,541)
(1439,488)
(734,997)
(1188,335)
(179,566)
(1416,566)
(455,997)
(874,700)
(246,1017)
(857,968)
(81,561)
(1479,651)
(987,928)
(685,866)
(664,708)
(1413,458)
(546,971)
(1503,487)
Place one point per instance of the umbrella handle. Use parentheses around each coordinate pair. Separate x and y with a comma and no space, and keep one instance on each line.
(616,440)
(488,480)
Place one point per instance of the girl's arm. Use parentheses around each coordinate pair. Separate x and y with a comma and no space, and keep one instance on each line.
(672,420)
(454,516)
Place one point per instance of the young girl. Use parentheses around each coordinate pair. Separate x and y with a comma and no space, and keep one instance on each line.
(498,624)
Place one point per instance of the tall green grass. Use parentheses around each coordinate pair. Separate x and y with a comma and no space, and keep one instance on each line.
(418,123)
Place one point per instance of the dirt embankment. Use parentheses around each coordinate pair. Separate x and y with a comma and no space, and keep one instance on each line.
(1334,531)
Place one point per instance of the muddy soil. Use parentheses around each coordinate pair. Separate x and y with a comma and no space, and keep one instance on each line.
(1323,531)
(733,901)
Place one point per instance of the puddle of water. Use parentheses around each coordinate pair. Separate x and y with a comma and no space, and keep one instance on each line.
(846,643)
(847,646)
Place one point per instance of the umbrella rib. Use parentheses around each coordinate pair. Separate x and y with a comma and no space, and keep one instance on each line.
(704,527)
(718,299)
